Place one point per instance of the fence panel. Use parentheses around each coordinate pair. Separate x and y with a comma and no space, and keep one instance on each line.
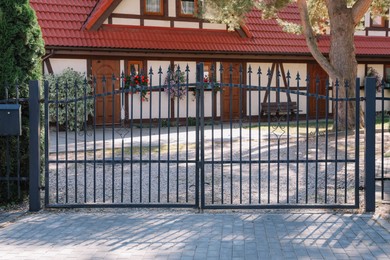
(228,140)
(275,156)
(139,155)
(13,162)
(382,158)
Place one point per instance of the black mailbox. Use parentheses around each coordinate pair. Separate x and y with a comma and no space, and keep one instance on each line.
(10,119)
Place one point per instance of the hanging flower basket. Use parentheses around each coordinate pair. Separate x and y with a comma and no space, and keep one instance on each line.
(173,84)
(371,72)
(137,84)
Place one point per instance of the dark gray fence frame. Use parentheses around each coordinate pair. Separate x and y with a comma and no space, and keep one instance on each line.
(14,178)
(35,140)
(277,90)
(35,146)
(382,170)
(200,153)
(370,144)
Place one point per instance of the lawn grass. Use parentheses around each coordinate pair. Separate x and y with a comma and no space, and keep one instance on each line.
(386,122)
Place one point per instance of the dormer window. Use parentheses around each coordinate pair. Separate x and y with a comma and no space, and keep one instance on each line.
(187,7)
(154,7)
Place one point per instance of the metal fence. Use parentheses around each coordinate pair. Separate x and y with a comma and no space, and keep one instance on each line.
(12,178)
(382,158)
(207,144)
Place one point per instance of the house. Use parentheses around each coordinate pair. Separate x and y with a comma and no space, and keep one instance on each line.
(104,37)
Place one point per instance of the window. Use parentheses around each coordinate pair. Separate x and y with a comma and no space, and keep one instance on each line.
(378,21)
(154,7)
(209,72)
(188,7)
(134,67)
(387,76)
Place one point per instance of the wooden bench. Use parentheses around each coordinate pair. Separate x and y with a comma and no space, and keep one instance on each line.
(279,108)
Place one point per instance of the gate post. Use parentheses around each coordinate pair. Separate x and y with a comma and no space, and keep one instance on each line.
(369,146)
(34,149)
(200,131)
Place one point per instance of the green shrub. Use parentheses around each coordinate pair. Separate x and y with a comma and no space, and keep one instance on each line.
(21,48)
(70,87)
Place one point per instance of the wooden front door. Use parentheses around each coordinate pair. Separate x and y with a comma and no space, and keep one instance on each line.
(231,96)
(105,112)
(317,77)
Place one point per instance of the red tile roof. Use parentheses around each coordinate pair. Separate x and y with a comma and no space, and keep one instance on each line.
(62,26)
(99,9)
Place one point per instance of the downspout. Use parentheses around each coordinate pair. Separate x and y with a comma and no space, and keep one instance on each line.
(46,57)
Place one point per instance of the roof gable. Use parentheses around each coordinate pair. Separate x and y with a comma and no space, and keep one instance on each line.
(99,14)
(62,24)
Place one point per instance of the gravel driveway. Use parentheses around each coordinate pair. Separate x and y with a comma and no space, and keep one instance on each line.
(163,168)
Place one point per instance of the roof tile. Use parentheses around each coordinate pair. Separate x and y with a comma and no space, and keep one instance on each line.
(62,21)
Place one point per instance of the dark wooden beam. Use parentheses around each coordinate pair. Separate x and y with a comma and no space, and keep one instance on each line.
(105,15)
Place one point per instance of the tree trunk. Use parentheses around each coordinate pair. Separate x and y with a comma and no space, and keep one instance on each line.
(342,58)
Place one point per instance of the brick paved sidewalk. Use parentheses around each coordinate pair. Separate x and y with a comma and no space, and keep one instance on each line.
(149,234)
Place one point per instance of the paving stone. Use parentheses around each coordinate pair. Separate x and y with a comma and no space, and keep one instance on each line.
(145,235)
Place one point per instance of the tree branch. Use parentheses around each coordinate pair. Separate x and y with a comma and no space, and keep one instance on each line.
(359,9)
(312,42)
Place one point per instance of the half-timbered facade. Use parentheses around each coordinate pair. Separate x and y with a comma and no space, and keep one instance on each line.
(105,37)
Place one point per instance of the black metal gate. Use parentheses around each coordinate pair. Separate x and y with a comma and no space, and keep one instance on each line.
(206,144)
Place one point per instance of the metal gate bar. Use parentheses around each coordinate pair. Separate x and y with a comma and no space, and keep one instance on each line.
(158,155)
(255,180)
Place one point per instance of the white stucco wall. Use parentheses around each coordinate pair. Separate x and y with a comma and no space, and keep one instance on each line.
(59,65)
(135,104)
(217,72)
(155,65)
(214,26)
(192,25)
(293,68)
(157,23)
(378,67)
(253,104)
(192,69)
(367,19)
(179,105)
(376,33)
(126,21)
(208,105)
(172,8)
(128,7)
(361,73)
(360,33)
(263,78)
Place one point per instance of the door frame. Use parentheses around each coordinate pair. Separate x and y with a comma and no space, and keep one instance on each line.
(116,114)
(226,83)
(317,75)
